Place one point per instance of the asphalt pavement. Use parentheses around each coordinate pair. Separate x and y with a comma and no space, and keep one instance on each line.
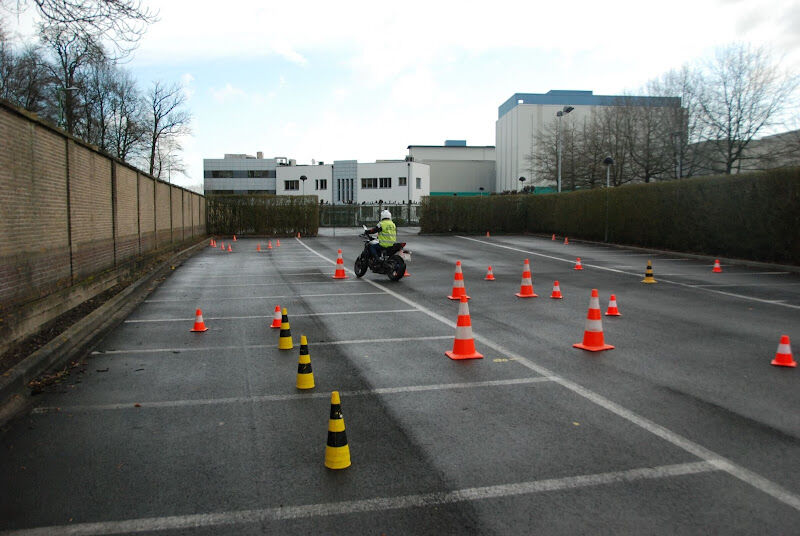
(683,428)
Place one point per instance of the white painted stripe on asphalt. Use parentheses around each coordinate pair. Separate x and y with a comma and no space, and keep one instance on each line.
(658,276)
(293,396)
(194,299)
(293,315)
(755,480)
(378,504)
(239,276)
(250,285)
(256,346)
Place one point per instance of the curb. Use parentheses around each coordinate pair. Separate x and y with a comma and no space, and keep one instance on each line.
(78,337)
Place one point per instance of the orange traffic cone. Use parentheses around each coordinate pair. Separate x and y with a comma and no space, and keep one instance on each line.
(554,237)
(298,235)
(717,268)
(339,274)
(276,318)
(222,246)
(234,238)
(199,325)
(556,295)
(489,275)
(406,274)
(487,234)
(229,248)
(593,332)
(566,241)
(612,307)
(783,357)
(278,244)
(269,244)
(464,343)
(578,265)
(526,286)
(211,244)
(258,247)
(458,284)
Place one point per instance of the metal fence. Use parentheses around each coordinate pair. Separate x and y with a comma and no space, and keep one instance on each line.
(355,215)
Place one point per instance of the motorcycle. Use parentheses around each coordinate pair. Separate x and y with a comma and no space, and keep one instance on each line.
(392,260)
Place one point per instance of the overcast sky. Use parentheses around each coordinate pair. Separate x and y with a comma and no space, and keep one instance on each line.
(363,80)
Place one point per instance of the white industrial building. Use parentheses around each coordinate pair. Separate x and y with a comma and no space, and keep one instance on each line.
(524,115)
(352,182)
(241,174)
(457,168)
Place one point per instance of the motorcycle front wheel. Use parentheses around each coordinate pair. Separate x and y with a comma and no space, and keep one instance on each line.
(397,268)
(360,267)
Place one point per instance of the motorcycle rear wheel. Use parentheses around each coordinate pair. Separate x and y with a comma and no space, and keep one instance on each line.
(360,266)
(397,268)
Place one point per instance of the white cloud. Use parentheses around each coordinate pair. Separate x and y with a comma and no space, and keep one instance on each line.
(226,93)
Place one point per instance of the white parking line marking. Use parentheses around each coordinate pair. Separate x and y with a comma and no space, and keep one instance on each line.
(264,297)
(250,285)
(334,313)
(293,396)
(658,276)
(239,276)
(378,504)
(256,346)
(755,480)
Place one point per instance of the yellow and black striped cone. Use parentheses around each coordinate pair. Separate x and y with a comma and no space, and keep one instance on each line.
(285,340)
(337,453)
(648,274)
(305,376)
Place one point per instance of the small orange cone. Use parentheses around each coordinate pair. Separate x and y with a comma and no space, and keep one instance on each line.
(339,274)
(489,275)
(554,237)
(566,241)
(487,234)
(222,246)
(458,284)
(612,307)
(258,247)
(199,325)
(593,332)
(298,235)
(278,244)
(406,274)
(717,268)
(556,295)
(464,343)
(269,244)
(783,357)
(229,248)
(234,238)
(578,265)
(211,244)
(276,318)
(526,286)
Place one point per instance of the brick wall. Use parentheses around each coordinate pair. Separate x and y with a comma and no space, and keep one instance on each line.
(68,211)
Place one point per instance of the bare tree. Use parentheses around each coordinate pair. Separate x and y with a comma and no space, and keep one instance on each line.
(71,51)
(744,92)
(118,22)
(24,78)
(126,130)
(167,119)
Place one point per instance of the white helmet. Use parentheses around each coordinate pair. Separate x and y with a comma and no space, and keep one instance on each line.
(386,215)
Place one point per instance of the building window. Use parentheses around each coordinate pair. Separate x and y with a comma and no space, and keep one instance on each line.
(321,184)
(221,174)
(419,183)
(385,182)
(369,183)
(291,185)
(401,181)
(257,173)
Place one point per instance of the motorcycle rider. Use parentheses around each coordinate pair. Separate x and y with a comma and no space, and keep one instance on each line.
(387,234)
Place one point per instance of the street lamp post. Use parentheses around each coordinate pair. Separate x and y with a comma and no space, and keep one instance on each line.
(608,161)
(480,189)
(303,179)
(560,114)
(521,183)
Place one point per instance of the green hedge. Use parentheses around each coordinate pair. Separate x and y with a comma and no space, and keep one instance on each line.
(263,215)
(750,216)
